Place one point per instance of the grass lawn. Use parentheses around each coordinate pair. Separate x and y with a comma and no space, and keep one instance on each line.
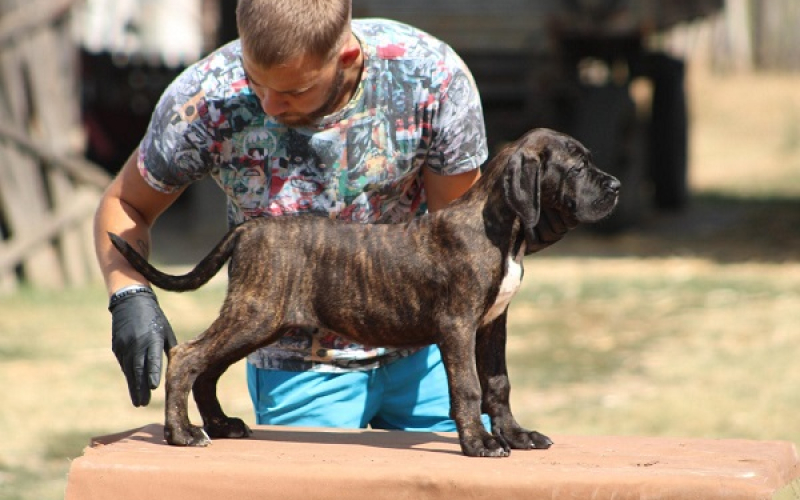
(687,327)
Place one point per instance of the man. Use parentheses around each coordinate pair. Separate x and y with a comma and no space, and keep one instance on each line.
(310,111)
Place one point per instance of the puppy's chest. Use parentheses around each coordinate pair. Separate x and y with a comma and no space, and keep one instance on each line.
(508,287)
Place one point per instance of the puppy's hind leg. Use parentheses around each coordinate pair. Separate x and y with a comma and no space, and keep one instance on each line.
(215,422)
(199,363)
(224,343)
(184,365)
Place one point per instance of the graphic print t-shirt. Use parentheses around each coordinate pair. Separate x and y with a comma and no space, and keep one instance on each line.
(416,105)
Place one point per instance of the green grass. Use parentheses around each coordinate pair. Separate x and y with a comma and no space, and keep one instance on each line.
(711,350)
(63,384)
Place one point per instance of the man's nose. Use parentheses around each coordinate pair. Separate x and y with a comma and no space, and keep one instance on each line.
(273,103)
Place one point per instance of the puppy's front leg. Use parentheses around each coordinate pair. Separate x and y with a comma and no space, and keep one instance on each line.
(458,355)
(491,361)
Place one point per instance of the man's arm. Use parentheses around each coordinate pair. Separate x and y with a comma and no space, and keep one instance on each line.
(129,207)
(140,332)
(442,189)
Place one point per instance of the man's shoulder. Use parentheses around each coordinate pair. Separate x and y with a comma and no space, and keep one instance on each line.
(390,39)
(219,73)
(372,25)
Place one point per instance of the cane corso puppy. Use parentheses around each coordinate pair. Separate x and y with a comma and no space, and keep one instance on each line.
(445,278)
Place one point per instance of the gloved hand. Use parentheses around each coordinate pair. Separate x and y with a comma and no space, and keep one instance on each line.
(139,334)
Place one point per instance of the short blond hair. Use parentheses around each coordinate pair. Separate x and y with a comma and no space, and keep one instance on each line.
(274,31)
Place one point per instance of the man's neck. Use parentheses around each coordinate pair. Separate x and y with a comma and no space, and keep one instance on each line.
(352,74)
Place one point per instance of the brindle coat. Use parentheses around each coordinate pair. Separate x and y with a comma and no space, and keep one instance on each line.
(445,278)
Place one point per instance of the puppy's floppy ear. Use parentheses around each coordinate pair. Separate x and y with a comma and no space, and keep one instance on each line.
(522,190)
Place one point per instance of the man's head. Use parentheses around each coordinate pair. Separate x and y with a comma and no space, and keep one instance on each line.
(300,56)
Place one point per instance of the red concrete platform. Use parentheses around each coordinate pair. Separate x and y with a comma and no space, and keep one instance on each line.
(291,463)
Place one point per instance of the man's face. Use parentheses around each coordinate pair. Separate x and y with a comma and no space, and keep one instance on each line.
(299,92)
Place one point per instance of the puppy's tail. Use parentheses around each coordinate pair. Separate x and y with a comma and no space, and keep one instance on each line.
(194,279)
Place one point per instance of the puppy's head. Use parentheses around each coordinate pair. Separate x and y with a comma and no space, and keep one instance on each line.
(552,185)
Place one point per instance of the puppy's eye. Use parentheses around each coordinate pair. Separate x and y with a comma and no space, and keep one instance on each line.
(576,170)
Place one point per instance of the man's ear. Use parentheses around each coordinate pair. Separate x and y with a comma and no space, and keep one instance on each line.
(522,190)
(349,54)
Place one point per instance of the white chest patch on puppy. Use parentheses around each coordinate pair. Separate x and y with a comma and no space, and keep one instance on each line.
(508,287)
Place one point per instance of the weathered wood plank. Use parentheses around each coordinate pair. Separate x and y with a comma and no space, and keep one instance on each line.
(75,215)
(41,142)
(23,16)
(50,82)
(25,200)
(25,208)
(78,169)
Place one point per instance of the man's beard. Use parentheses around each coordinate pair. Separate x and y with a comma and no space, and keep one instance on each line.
(327,107)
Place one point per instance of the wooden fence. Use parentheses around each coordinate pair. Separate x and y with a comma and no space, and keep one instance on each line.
(48,192)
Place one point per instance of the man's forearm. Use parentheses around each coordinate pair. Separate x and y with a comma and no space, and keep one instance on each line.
(113,216)
(442,189)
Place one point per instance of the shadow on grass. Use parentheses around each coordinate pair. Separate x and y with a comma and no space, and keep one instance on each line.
(18,352)
(15,480)
(561,355)
(68,445)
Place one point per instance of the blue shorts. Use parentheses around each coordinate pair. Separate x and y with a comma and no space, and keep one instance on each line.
(407,394)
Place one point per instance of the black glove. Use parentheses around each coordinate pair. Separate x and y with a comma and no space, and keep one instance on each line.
(139,334)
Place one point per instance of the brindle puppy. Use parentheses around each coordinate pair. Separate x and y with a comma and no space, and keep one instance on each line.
(446,278)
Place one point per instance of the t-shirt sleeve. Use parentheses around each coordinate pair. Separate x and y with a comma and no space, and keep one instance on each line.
(459,133)
(175,149)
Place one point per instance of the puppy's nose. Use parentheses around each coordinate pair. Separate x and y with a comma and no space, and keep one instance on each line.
(612,185)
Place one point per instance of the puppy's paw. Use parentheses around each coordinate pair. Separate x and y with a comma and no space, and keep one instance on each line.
(485,445)
(193,436)
(523,439)
(228,428)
